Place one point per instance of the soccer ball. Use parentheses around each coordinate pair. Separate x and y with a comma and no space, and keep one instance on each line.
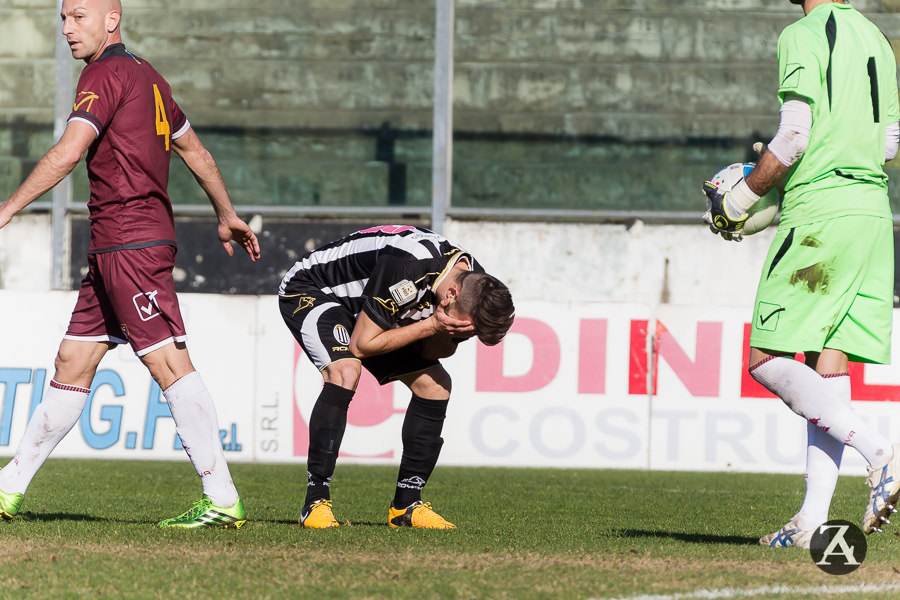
(766,208)
(731,175)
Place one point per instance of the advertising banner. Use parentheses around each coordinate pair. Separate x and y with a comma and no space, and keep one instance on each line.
(573,385)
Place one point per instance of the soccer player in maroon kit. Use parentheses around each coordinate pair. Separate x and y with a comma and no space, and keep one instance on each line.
(124,117)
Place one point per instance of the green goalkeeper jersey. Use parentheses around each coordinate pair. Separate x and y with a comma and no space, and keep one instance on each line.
(841,63)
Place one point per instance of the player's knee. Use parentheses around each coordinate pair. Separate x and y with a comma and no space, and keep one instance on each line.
(343,373)
(442,380)
(168,364)
(63,365)
(76,365)
(162,376)
(62,361)
(435,384)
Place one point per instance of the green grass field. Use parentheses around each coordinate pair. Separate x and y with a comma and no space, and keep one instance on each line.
(86,530)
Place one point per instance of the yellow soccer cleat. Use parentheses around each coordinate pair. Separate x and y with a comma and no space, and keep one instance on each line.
(418,514)
(318,515)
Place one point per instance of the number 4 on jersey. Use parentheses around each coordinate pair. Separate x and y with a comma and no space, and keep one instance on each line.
(162,124)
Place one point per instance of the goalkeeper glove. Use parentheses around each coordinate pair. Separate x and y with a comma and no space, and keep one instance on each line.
(717,216)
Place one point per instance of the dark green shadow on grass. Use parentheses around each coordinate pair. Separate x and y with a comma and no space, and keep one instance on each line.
(694,538)
(47,517)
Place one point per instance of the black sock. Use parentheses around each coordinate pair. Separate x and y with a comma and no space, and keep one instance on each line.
(326,430)
(422,443)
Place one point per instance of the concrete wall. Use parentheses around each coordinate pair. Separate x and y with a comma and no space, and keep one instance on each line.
(582,103)
(561,263)
(26,87)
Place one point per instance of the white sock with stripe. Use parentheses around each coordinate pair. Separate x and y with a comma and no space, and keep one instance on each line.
(197,425)
(807,394)
(54,417)
(823,463)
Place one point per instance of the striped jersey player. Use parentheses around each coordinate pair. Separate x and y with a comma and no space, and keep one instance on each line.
(393,299)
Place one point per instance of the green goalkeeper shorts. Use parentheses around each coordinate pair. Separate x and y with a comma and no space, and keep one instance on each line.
(828,285)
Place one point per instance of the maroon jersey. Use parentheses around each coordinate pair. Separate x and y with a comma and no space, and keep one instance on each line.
(130,106)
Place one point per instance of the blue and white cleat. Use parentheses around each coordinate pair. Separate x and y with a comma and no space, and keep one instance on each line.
(789,536)
(884,491)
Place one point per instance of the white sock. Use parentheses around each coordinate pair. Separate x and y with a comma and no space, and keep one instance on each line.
(807,394)
(53,418)
(198,427)
(823,464)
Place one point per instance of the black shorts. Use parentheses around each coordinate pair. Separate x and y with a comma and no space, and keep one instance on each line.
(322,326)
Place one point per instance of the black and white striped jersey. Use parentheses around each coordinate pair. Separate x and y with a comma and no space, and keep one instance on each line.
(389,271)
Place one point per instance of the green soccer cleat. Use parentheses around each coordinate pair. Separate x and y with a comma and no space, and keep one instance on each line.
(10,504)
(206,514)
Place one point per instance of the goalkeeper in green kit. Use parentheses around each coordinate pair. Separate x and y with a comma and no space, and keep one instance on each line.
(826,288)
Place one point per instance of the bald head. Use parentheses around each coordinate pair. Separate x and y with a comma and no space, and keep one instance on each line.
(113,5)
(89,26)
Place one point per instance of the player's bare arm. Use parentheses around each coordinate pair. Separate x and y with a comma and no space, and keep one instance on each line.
(369,339)
(768,173)
(201,163)
(51,169)
(785,149)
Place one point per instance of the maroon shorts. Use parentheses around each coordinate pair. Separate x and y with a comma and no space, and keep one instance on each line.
(129,296)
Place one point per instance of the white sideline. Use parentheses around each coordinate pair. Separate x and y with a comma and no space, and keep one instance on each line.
(768,589)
